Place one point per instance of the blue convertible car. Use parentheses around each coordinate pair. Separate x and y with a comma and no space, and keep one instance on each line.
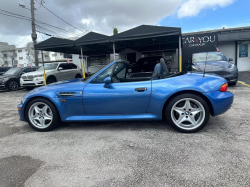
(186,101)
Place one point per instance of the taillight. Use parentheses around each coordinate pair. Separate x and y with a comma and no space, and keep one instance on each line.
(223,88)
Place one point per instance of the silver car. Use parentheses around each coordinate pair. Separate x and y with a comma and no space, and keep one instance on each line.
(58,71)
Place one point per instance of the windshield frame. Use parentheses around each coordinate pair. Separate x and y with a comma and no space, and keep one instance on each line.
(99,71)
(16,73)
(41,67)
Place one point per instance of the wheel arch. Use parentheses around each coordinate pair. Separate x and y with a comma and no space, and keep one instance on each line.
(188,92)
(42,97)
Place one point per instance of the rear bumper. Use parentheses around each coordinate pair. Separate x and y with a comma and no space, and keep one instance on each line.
(221,101)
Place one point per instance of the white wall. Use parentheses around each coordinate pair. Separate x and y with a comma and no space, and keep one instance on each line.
(228,49)
(243,63)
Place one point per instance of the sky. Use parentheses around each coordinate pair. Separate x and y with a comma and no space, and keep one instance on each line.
(103,15)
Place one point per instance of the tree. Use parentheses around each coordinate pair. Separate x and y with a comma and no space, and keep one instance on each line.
(115,31)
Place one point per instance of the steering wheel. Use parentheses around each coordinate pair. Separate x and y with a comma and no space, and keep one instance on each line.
(115,79)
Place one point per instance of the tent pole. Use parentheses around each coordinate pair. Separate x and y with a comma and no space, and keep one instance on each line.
(44,76)
(180,64)
(83,68)
(114,49)
(87,63)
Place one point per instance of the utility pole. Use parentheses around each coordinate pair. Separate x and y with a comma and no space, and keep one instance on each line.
(33,34)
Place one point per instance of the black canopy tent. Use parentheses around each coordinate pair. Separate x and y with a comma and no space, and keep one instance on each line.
(142,38)
(148,38)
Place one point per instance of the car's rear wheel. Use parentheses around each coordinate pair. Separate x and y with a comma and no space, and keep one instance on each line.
(42,115)
(50,80)
(187,113)
(13,85)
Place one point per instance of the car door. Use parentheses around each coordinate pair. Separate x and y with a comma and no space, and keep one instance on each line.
(62,73)
(72,70)
(119,98)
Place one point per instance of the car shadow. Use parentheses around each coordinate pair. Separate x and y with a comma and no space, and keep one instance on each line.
(117,125)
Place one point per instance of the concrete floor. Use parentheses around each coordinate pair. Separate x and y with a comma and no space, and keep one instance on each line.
(126,153)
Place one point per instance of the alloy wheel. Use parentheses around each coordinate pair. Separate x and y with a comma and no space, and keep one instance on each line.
(188,113)
(40,115)
(13,85)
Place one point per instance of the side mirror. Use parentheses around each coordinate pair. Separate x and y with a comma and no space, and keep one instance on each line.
(107,81)
(230,59)
(60,68)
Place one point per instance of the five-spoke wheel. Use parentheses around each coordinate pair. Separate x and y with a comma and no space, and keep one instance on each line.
(187,113)
(42,114)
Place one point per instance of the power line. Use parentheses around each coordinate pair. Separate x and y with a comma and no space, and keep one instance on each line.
(7,13)
(22,41)
(60,18)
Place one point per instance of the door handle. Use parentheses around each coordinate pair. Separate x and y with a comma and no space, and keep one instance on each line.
(140,89)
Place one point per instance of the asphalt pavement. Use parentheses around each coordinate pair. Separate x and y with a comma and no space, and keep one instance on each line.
(126,153)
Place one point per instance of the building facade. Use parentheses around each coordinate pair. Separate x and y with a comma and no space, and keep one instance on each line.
(232,42)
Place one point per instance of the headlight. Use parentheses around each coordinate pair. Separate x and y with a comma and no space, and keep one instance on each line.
(40,75)
(23,100)
(194,68)
(5,79)
(232,66)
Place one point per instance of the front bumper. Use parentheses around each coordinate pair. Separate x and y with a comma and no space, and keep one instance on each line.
(38,81)
(221,101)
(21,112)
(3,86)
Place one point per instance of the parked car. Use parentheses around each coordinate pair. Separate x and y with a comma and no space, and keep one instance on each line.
(11,79)
(4,69)
(216,63)
(54,72)
(185,100)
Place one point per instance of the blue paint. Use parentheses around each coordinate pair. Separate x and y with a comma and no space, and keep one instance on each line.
(122,101)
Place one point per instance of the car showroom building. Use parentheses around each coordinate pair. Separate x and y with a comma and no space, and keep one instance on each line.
(232,42)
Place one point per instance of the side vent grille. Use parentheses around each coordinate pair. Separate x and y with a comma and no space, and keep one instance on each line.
(70,93)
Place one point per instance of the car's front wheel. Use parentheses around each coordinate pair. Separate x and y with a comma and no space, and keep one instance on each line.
(187,113)
(13,85)
(42,115)
(50,80)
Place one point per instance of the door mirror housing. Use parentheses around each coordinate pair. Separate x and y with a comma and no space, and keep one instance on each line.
(107,82)
(230,59)
(60,68)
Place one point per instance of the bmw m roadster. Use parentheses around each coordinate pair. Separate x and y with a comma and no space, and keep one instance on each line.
(185,101)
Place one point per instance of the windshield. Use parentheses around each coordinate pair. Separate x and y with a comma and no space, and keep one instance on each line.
(203,57)
(49,66)
(13,71)
(96,72)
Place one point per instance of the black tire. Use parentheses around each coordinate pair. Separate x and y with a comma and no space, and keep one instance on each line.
(13,85)
(192,97)
(78,76)
(55,120)
(50,80)
(232,83)
(29,88)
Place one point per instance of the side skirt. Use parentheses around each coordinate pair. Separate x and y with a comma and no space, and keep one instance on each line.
(114,117)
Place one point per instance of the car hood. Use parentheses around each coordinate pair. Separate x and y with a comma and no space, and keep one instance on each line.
(38,72)
(212,66)
(61,86)
(6,76)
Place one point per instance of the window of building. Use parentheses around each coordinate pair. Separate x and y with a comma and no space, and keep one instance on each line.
(4,55)
(26,50)
(46,56)
(6,62)
(20,58)
(54,55)
(19,50)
